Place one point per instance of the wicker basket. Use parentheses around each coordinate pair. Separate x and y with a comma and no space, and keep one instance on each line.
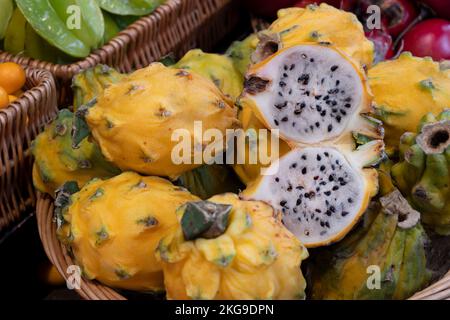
(20,122)
(94,291)
(174,27)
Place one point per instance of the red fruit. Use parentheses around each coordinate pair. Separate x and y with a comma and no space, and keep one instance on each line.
(430,38)
(383,44)
(441,7)
(267,8)
(398,14)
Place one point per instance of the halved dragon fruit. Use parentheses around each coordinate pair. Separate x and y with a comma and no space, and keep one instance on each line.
(319,101)
(321,191)
(311,93)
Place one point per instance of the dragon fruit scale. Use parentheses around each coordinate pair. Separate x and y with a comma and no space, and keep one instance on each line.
(134,119)
(227,248)
(56,162)
(317,24)
(219,68)
(423,173)
(112,227)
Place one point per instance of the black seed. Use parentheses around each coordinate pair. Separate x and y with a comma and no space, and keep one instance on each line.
(299,188)
(322,224)
(285,75)
(281,105)
(334,110)
(328,213)
(317,189)
(295,211)
(285,119)
(326,97)
(317,219)
(282,84)
(323,113)
(302,105)
(333,68)
(317,124)
(330,127)
(311,60)
(333,91)
(347,105)
(304,79)
(289,189)
(312,215)
(294,165)
(335,188)
(344,213)
(318,108)
(322,183)
(316,178)
(285,67)
(307,93)
(327,193)
(276,122)
(338,119)
(280,94)
(290,91)
(307,195)
(312,194)
(348,99)
(299,202)
(343,183)
(326,154)
(297,112)
(283,203)
(332,209)
(322,81)
(304,157)
(318,97)
(277,179)
(333,167)
(337,82)
(318,211)
(319,158)
(304,171)
(331,178)
(322,168)
(327,225)
(334,103)
(311,127)
(293,124)
(350,200)
(343,112)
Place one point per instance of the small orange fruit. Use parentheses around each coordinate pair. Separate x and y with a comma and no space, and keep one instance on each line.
(4,99)
(12,77)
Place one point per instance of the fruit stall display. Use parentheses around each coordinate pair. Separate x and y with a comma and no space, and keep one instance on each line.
(362,180)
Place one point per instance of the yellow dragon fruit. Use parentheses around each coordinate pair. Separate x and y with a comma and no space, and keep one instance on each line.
(405,90)
(56,162)
(112,227)
(134,120)
(317,24)
(227,248)
(218,68)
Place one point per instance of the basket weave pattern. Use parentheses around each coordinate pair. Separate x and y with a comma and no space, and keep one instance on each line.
(174,27)
(20,123)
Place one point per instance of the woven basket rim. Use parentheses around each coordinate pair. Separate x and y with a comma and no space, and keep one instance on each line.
(67,71)
(58,255)
(20,122)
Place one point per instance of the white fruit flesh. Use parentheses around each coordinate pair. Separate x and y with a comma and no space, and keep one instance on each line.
(313,93)
(319,191)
